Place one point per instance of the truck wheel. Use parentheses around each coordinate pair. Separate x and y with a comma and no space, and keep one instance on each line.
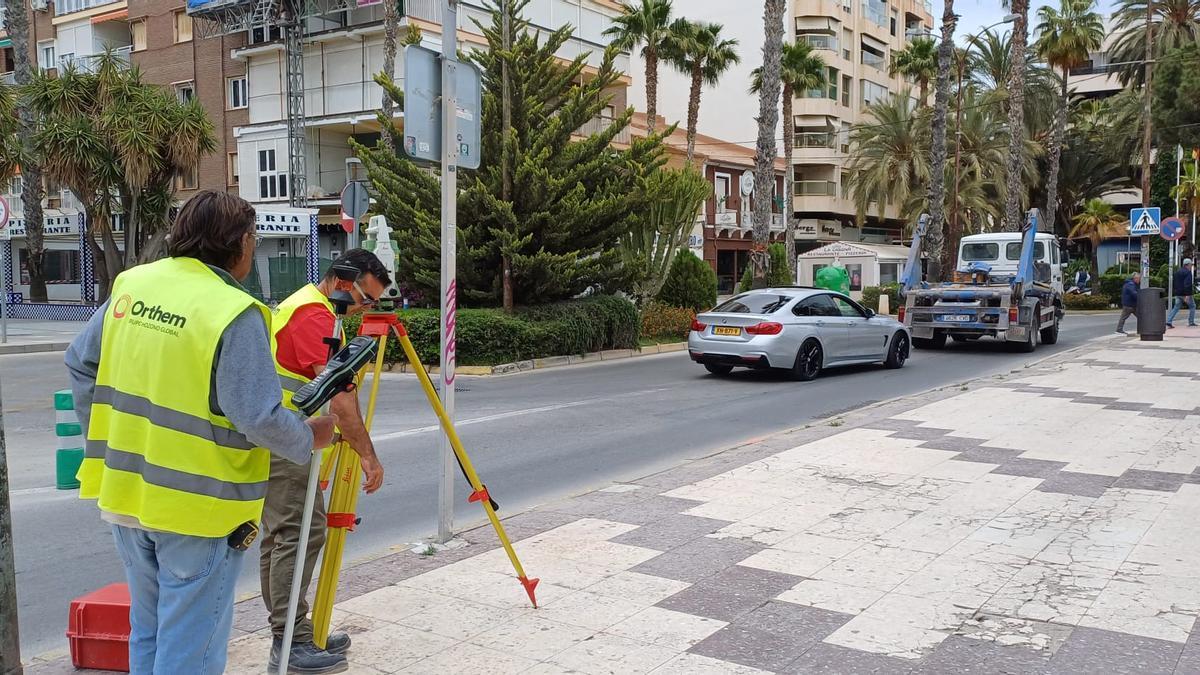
(938,341)
(1050,335)
(1035,330)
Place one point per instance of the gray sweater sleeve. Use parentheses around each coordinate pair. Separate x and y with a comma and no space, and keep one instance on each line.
(83,362)
(248,391)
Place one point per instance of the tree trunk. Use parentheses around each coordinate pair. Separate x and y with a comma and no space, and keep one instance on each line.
(17,26)
(1055,155)
(693,112)
(789,179)
(10,639)
(768,120)
(391,26)
(99,264)
(1016,118)
(651,55)
(935,239)
(924,84)
(132,225)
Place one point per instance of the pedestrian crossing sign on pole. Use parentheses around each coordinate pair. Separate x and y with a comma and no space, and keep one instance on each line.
(1145,222)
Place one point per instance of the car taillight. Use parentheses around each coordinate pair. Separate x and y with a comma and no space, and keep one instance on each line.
(900,314)
(1014,314)
(697,326)
(765,328)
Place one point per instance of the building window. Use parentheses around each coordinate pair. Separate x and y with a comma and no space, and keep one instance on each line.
(183,26)
(58,267)
(236,93)
(272,183)
(873,93)
(188,180)
(893,26)
(832,79)
(137,31)
(185,91)
(46,58)
(262,34)
(231,169)
(847,84)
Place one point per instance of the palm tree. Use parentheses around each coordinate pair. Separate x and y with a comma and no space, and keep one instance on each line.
(1098,216)
(936,234)
(889,162)
(698,51)
(918,62)
(16,24)
(647,24)
(1087,173)
(1066,38)
(801,70)
(1176,23)
(1016,114)
(768,120)
(1189,190)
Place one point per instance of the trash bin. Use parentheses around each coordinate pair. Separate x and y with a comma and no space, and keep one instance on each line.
(1151,314)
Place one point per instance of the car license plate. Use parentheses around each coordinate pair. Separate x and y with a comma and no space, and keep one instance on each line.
(726,330)
(957,318)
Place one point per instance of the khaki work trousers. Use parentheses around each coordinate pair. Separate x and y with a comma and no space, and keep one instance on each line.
(282,513)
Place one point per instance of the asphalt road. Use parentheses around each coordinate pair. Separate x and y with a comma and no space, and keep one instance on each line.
(533,437)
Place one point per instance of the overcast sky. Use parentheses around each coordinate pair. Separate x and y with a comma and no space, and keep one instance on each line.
(729,114)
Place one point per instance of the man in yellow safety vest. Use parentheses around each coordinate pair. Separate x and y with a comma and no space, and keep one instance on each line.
(173,379)
(302,326)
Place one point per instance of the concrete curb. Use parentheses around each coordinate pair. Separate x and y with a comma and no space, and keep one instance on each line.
(33,348)
(554,361)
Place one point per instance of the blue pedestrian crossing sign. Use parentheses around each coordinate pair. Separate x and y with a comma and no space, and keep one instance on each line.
(1145,222)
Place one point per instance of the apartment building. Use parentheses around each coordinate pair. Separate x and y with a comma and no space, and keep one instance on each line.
(856,38)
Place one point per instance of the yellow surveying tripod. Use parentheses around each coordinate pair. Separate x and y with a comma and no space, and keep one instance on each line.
(344,497)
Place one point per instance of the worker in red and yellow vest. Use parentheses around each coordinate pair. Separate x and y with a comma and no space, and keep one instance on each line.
(173,381)
(302,324)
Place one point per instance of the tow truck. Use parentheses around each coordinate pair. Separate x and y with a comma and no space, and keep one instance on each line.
(1022,305)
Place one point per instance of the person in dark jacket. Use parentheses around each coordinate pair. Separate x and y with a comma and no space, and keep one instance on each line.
(1185,289)
(1129,297)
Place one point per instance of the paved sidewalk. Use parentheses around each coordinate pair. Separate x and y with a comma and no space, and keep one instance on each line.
(1042,522)
(26,336)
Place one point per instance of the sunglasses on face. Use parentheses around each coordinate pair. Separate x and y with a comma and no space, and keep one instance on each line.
(367,298)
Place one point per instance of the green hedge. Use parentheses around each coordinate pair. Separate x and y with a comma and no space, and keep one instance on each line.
(491,337)
(1110,286)
(1086,302)
(870,297)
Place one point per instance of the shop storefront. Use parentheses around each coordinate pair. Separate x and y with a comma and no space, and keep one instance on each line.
(867,264)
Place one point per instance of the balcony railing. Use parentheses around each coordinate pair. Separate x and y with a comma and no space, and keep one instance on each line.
(820,41)
(874,60)
(599,124)
(876,13)
(91,62)
(62,7)
(815,139)
(815,188)
(428,10)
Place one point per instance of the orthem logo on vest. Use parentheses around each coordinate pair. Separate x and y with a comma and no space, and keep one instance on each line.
(144,315)
(121,306)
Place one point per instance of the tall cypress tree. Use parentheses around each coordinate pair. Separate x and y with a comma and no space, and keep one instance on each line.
(570,201)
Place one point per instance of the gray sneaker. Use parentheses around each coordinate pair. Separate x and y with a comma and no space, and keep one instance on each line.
(308,659)
(337,643)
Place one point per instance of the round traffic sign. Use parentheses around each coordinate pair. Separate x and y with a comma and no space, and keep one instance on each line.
(747,182)
(4,213)
(1172,229)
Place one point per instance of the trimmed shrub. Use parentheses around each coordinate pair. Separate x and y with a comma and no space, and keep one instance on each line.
(663,321)
(690,282)
(490,337)
(1110,286)
(1086,302)
(777,272)
(870,297)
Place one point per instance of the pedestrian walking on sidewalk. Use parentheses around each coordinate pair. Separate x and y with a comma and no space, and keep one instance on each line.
(1185,291)
(303,322)
(174,381)
(1129,299)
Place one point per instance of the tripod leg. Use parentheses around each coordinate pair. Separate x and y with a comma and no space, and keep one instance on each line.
(480,493)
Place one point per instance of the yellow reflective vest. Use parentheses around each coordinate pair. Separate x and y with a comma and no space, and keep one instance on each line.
(156,450)
(291,382)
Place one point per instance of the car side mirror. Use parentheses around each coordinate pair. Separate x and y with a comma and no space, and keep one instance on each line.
(870,313)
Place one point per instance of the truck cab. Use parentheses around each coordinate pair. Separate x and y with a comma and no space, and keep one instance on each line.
(1002,252)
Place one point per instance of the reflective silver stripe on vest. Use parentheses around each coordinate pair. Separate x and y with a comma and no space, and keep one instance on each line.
(291,384)
(176,480)
(171,419)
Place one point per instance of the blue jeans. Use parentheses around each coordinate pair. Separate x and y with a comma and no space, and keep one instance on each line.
(181,589)
(1177,304)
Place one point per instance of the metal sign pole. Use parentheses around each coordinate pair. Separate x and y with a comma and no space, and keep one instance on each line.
(449,147)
